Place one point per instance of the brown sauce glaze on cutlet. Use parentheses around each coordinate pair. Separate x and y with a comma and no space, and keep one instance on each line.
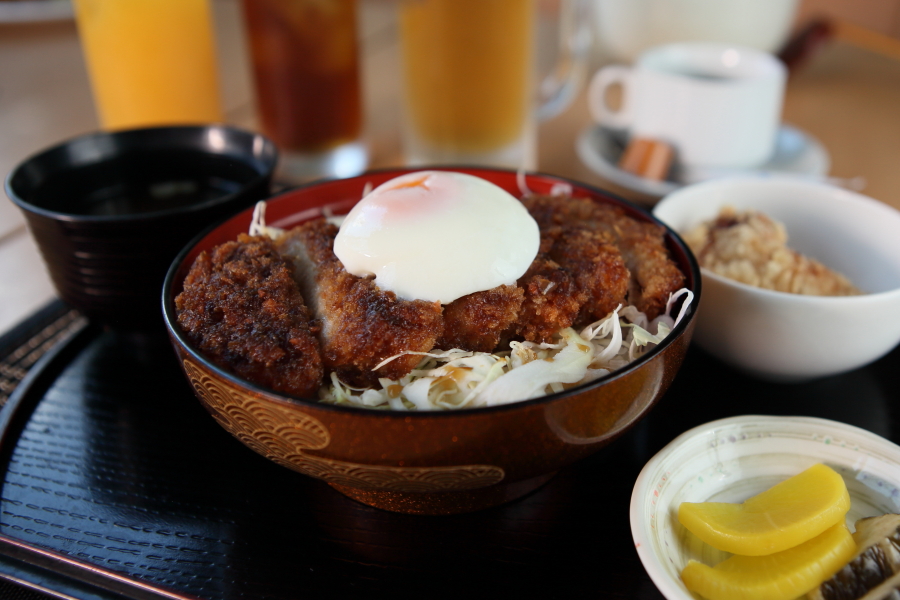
(477,321)
(654,276)
(597,267)
(241,307)
(360,325)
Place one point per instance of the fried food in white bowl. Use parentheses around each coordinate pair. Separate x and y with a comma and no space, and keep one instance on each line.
(785,336)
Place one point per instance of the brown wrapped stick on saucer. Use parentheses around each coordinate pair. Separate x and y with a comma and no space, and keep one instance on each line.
(650,159)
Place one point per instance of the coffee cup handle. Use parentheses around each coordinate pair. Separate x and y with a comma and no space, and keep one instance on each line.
(600,83)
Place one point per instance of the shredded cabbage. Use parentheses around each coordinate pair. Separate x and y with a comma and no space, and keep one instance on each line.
(459,379)
(258,223)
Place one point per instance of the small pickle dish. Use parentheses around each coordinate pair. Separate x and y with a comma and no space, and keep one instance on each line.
(426,462)
(733,459)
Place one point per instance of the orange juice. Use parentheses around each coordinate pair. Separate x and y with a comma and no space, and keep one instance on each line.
(151,62)
(467,70)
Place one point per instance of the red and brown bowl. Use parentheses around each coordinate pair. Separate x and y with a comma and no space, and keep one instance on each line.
(435,462)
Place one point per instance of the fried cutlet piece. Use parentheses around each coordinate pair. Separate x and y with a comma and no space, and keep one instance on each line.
(477,321)
(242,308)
(597,267)
(360,324)
(654,276)
(552,301)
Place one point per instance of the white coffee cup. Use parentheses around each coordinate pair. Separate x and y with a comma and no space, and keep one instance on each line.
(718,105)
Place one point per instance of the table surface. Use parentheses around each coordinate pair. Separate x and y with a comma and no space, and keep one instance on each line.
(93,506)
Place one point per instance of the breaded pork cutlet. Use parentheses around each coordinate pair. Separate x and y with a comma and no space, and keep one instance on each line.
(597,267)
(242,308)
(552,301)
(654,276)
(577,277)
(360,325)
(477,321)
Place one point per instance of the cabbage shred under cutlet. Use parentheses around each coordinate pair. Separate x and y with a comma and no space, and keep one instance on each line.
(456,379)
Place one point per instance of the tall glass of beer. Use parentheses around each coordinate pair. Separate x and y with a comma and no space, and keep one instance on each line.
(467,71)
(470,90)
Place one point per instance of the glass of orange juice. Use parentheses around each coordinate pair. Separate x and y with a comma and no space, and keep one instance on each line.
(151,62)
(469,81)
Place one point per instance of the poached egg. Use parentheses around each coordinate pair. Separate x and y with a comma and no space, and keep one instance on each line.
(438,236)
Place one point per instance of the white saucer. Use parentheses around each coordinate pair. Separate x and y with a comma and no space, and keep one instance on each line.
(796,153)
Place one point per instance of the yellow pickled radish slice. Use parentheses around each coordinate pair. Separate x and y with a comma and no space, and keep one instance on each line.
(783,516)
(781,576)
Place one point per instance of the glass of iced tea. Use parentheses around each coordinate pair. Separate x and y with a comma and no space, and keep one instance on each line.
(306,71)
(151,62)
(469,80)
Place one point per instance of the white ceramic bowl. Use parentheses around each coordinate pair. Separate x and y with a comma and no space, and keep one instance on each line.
(783,336)
(733,459)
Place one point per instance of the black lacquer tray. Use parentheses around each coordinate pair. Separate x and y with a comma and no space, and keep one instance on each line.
(117,484)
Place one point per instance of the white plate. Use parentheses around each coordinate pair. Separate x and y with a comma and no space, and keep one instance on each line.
(796,153)
(31,11)
(733,459)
